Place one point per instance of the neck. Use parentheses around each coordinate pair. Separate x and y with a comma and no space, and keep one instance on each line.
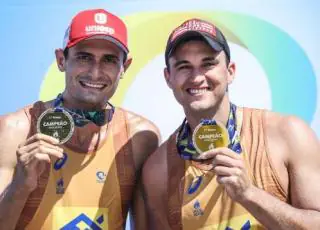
(70,103)
(219,112)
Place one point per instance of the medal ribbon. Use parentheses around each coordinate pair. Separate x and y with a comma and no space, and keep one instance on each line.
(83,117)
(185,146)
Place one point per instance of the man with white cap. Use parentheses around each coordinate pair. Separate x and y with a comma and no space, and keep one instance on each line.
(227,167)
(73,162)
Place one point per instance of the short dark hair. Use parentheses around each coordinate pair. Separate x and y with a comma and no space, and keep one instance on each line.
(66,52)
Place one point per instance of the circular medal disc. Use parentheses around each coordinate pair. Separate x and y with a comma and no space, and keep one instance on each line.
(206,137)
(57,124)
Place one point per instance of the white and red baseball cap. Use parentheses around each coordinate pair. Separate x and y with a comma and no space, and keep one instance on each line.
(96,23)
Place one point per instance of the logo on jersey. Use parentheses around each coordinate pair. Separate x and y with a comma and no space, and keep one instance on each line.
(246,226)
(60,162)
(85,221)
(195,184)
(101,177)
(197,211)
(67,218)
(60,186)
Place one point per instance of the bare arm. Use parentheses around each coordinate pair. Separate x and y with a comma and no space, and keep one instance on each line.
(138,211)
(303,151)
(154,179)
(299,156)
(12,200)
(21,162)
(13,195)
(145,140)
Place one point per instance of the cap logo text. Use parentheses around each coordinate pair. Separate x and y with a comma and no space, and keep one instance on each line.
(94,29)
(194,25)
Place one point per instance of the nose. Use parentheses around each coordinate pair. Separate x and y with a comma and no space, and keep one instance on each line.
(95,71)
(197,76)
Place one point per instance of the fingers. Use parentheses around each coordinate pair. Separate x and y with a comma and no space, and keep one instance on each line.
(41,146)
(35,158)
(227,165)
(38,137)
(44,149)
(33,155)
(226,171)
(225,160)
(227,180)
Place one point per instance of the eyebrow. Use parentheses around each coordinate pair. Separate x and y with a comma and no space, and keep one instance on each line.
(90,54)
(83,53)
(210,59)
(180,63)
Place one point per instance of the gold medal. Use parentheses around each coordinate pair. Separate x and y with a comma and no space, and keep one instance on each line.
(210,136)
(57,124)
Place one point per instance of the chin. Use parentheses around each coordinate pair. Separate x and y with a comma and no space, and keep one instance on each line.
(198,106)
(92,100)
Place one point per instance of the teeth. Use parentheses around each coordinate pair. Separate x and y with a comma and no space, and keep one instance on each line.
(97,86)
(197,91)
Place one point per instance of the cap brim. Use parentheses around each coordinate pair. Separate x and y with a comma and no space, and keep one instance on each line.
(190,34)
(100,36)
(111,39)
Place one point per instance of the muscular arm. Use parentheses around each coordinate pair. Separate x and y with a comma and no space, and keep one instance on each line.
(138,211)
(13,194)
(154,179)
(145,140)
(303,163)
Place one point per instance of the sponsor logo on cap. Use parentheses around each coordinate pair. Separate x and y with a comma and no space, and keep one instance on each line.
(194,25)
(100,18)
(95,29)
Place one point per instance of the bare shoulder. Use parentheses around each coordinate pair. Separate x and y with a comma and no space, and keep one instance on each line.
(274,125)
(292,135)
(14,125)
(139,123)
(144,135)
(14,129)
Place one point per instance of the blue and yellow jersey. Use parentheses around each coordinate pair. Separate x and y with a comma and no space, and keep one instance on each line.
(90,190)
(197,201)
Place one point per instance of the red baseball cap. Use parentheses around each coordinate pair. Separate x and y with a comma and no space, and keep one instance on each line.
(96,24)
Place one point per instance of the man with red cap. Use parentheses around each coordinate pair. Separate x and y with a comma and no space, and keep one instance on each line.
(73,162)
(227,167)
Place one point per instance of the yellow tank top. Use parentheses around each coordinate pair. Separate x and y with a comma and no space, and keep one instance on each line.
(85,190)
(197,201)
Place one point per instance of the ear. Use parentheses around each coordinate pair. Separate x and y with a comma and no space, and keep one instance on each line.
(231,72)
(127,63)
(166,74)
(61,61)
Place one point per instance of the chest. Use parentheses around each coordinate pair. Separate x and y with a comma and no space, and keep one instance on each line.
(206,204)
